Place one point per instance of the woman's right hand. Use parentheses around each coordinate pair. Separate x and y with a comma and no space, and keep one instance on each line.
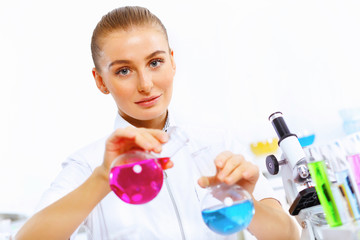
(125,139)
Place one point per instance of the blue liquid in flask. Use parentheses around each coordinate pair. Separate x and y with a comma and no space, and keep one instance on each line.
(229,220)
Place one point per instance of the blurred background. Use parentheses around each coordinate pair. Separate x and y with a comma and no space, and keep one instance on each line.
(237,62)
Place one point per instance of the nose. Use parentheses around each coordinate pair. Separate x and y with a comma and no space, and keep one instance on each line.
(145,83)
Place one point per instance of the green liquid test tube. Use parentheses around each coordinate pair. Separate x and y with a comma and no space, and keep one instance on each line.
(322,185)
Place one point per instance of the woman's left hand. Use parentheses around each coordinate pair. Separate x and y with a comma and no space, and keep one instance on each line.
(233,169)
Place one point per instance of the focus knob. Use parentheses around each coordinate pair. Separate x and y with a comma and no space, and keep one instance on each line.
(272,165)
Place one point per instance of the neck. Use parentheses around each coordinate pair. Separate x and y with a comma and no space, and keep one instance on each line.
(157,123)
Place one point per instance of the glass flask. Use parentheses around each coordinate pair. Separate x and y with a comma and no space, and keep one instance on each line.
(136,177)
(225,209)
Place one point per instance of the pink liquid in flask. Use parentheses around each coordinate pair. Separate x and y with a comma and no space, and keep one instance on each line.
(138,182)
(136,177)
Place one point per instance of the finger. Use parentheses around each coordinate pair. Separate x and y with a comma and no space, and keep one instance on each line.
(160,135)
(245,172)
(153,144)
(251,172)
(132,137)
(168,165)
(129,132)
(235,176)
(230,165)
(222,158)
(147,141)
(120,134)
(208,181)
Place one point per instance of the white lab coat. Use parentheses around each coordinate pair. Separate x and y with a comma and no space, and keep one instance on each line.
(177,204)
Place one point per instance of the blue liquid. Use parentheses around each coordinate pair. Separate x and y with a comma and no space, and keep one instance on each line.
(307,140)
(229,220)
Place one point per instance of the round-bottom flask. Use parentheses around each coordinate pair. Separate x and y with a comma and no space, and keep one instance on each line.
(227,209)
(136,177)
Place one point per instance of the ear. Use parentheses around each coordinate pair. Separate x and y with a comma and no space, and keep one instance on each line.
(172,60)
(99,81)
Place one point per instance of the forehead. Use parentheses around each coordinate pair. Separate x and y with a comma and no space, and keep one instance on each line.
(133,35)
(135,40)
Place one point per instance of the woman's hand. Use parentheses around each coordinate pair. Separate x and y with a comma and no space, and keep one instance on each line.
(125,139)
(233,169)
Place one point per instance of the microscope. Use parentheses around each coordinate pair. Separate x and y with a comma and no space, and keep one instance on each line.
(299,190)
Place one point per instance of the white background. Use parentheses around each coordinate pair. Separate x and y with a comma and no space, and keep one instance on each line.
(237,62)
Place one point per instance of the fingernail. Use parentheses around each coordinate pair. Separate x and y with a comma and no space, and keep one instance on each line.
(203,182)
(158,149)
(219,163)
(206,183)
(228,179)
(220,176)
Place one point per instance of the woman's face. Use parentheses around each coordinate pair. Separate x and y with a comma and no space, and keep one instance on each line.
(137,68)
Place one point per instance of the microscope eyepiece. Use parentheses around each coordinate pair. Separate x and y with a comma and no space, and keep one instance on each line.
(280,126)
(288,142)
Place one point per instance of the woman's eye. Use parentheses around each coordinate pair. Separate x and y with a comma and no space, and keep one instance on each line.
(155,63)
(123,71)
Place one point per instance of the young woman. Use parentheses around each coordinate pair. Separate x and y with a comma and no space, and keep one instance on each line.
(134,63)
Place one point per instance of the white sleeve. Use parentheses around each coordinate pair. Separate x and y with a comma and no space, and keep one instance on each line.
(72,175)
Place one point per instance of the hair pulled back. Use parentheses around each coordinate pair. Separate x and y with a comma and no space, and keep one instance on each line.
(123,18)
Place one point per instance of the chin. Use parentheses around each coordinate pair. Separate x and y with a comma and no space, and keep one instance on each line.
(150,114)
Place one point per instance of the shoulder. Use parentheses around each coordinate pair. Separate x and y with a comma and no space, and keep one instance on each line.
(90,155)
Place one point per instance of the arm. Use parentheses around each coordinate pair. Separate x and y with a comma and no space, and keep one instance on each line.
(270,221)
(60,219)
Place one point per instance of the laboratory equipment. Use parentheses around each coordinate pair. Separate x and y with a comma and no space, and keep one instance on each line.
(5,229)
(264,147)
(353,155)
(306,139)
(226,209)
(318,172)
(300,191)
(344,178)
(296,177)
(136,177)
(351,120)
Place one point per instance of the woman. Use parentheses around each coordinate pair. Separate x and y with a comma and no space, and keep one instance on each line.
(134,63)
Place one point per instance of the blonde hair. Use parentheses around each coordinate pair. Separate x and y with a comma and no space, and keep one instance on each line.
(123,18)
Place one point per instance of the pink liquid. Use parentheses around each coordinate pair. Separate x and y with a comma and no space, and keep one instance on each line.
(138,182)
(355,165)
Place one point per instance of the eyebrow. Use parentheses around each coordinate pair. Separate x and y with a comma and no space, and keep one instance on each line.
(127,61)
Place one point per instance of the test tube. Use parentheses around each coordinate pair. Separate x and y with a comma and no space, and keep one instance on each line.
(344,178)
(337,188)
(350,183)
(319,175)
(352,145)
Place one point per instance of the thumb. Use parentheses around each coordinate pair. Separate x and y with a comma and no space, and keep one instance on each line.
(205,182)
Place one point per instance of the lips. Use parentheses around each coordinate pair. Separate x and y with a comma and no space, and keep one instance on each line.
(147,102)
